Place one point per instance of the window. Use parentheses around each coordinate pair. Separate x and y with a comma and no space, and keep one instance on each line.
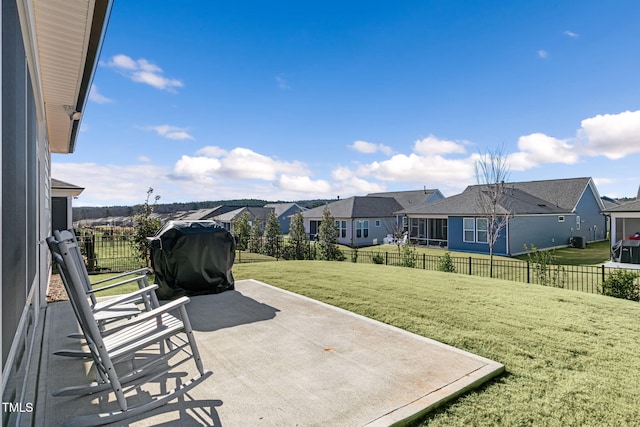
(482,235)
(476,230)
(377,223)
(362,229)
(560,218)
(342,228)
(578,222)
(469,229)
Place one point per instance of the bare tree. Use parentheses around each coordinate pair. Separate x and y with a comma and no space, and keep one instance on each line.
(491,171)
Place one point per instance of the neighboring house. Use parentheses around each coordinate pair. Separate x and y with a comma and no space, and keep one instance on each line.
(625,231)
(62,194)
(255,213)
(49,53)
(199,214)
(361,220)
(625,220)
(284,212)
(413,198)
(547,214)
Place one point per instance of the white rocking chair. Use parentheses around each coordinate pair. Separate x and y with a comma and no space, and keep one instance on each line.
(163,332)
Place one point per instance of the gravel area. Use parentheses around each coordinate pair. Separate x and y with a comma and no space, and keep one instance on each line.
(56,291)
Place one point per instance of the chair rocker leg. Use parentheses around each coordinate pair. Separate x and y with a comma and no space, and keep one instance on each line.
(142,371)
(156,402)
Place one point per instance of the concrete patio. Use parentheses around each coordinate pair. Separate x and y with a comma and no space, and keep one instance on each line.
(279,359)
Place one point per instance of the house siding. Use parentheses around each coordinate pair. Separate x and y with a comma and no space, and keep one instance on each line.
(376,234)
(593,225)
(544,232)
(24,264)
(285,218)
(457,243)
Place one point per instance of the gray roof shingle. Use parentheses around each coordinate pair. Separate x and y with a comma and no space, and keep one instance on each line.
(408,199)
(521,198)
(358,207)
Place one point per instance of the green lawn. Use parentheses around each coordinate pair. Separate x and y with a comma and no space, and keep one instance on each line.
(595,254)
(572,358)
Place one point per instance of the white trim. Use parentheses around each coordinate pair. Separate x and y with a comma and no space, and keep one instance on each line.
(465,229)
(27,22)
(478,230)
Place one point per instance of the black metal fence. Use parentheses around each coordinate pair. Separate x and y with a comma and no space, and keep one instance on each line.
(110,249)
(583,278)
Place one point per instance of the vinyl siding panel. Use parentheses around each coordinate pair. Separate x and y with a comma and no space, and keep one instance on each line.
(593,225)
(457,243)
(542,231)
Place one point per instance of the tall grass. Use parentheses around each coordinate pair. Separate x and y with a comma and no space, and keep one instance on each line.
(572,358)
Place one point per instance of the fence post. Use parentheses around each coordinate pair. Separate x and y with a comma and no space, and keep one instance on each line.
(528,272)
(603,278)
(386,258)
(424,261)
(469,266)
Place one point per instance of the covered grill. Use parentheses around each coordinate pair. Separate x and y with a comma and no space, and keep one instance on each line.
(192,258)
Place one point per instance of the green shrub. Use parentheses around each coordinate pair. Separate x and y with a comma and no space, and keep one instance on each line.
(145,226)
(354,254)
(622,284)
(408,256)
(378,258)
(445,263)
(545,268)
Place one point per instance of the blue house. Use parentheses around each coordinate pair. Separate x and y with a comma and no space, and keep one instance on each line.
(547,214)
(284,212)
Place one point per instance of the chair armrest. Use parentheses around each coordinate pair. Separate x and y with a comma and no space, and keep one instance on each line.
(127,297)
(137,272)
(157,312)
(115,285)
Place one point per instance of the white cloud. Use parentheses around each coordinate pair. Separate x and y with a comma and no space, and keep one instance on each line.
(612,135)
(432,145)
(302,184)
(341,173)
(143,71)
(417,168)
(538,149)
(110,184)
(369,147)
(212,151)
(543,54)
(239,163)
(197,166)
(347,183)
(571,34)
(171,132)
(97,97)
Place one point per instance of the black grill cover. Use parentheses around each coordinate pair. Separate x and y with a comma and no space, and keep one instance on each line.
(192,258)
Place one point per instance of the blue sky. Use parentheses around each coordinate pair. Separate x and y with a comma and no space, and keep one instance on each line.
(291,100)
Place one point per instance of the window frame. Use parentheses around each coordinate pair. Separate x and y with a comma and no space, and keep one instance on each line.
(466,229)
(480,230)
(362,229)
